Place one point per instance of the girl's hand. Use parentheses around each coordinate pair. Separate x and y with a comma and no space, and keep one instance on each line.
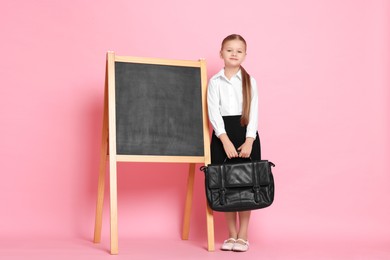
(228,146)
(245,149)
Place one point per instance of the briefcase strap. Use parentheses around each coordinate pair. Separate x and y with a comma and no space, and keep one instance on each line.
(256,187)
(222,190)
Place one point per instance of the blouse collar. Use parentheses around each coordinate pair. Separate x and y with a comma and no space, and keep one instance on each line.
(221,73)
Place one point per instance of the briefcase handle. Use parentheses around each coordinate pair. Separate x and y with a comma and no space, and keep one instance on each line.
(227,158)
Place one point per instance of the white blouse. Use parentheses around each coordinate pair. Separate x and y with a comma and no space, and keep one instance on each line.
(224,98)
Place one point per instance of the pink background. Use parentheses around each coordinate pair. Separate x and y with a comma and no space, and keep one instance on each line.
(322,69)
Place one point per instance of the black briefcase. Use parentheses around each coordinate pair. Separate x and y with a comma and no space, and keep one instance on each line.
(239,186)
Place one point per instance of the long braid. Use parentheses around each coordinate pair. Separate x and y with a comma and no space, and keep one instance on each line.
(246,97)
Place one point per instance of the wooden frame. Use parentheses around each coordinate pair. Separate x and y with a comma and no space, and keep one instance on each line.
(109,142)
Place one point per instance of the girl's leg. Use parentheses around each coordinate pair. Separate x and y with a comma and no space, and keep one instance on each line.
(244,217)
(231,219)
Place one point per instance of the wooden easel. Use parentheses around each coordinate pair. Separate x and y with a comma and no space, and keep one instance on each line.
(109,152)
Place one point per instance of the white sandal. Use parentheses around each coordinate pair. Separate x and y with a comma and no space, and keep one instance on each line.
(241,245)
(228,244)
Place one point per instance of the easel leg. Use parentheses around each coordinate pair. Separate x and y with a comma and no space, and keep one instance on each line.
(210,229)
(113,208)
(188,205)
(102,173)
(100,198)
(110,90)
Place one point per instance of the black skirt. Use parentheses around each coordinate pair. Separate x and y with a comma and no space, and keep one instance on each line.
(237,135)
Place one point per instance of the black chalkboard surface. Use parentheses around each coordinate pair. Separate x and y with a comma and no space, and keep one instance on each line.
(158,110)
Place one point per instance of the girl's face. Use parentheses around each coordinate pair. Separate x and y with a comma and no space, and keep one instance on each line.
(233,53)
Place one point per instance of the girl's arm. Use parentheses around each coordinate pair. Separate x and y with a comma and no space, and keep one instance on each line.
(215,117)
(245,149)
(228,146)
(252,126)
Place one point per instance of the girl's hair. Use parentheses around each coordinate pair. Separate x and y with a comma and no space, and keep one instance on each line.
(246,83)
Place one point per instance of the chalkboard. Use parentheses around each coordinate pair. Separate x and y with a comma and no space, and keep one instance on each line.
(154,111)
(158,110)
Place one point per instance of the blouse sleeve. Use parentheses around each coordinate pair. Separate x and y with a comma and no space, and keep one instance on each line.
(254,112)
(215,117)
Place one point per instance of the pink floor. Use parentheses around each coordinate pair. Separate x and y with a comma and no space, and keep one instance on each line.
(177,249)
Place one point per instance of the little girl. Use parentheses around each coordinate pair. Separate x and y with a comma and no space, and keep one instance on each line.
(233,110)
